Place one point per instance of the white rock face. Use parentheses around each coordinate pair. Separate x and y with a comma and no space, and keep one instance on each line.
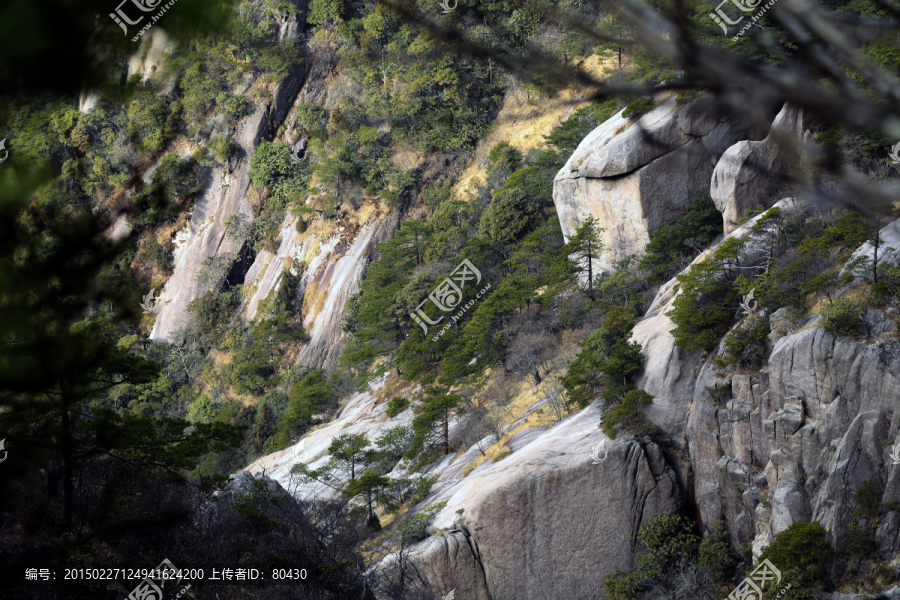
(87,101)
(338,277)
(267,269)
(546,522)
(223,194)
(752,174)
(224,191)
(363,413)
(888,248)
(634,179)
(154,49)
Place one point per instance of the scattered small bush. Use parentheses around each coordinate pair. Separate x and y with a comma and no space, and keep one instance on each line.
(224,148)
(844,317)
(747,346)
(888,283)
(720,393)
(636,108)
(685,96)
(396,405)
(804,547)
(630,415)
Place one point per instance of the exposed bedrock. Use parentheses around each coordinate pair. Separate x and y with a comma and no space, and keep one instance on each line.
(670,373)
(633,178)
(798,439)
(547,521)
(751,174)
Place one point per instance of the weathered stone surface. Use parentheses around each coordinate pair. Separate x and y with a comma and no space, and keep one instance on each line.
(828,408)
(751,174)
(888,251)
(267,270)
(779,325)
(524,437)
(363,413)
(222,194)
(337,278)
(447,562)
(548,522)
(155,47)
(635,180)
(664,129)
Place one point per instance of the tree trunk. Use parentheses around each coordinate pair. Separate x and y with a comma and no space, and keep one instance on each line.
(446,433)
(68,457)
(590,258)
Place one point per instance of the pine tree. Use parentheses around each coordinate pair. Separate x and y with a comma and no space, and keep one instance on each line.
(348,453)
(585,248)
(434,420)
(369,485)
(264,428)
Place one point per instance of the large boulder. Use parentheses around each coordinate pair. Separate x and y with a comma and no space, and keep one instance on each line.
(548,521)
(633,178)
(443,563)
(751,174)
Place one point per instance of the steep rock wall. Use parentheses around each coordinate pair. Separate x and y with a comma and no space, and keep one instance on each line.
(750,173)
(798,439)
(670,373)
(548,521)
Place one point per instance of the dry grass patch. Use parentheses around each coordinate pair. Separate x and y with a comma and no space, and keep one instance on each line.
(524,120)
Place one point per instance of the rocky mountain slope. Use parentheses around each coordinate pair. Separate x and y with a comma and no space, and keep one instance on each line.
(789,442)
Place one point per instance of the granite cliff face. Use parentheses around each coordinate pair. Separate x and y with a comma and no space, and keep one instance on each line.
(750,174)
(330,257)
(803,436)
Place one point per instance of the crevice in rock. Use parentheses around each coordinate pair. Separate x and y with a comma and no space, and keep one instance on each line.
(473,548)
